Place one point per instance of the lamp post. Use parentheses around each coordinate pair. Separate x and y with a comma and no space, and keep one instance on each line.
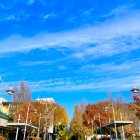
(27,114)
(99,117)
(39,124)
(9,89)
(17,127)
(135,91)
(91,126)
(123,134)
(112,106)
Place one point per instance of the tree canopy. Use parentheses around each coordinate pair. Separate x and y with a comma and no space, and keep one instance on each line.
(22,93)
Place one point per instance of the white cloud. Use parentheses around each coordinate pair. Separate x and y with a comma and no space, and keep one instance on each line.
(106,37)
(9,18)
(104,85)
(30,2)
(48,16)
(113,69)
(33,63)
(121,10)
(118,82)
(111,78)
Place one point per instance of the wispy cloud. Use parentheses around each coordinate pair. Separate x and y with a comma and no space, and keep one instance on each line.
(33,63)
(100,85)
(111,77)
(113,69)
(49,16)
(87,14)
(9,18)
(104,37)
(30,2)
(120,11)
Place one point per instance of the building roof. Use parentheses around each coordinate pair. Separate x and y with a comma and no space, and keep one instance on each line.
(2,100)
(46,100)
(4,116)
(21,125)
(118,123)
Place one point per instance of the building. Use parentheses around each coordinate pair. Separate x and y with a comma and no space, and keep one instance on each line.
(45,100)
(4,110)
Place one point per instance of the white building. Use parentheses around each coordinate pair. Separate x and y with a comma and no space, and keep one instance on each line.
(3,113)
(46,100)
(2,100)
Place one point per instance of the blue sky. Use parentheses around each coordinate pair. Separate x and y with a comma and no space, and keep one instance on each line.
(71,50)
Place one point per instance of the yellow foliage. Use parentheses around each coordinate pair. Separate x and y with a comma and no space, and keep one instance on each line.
(60,116)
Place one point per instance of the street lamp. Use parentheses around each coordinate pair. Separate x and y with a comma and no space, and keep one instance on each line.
(40,116)
(123,134)
(17,127)
(91,125)
(27,119)
(99,117)
(112,106)
(45,117)
(9,89)
(135,90)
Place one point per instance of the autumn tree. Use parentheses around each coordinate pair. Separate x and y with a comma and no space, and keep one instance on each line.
(21,99)
(62,131)
(60,115)
(61,121)
(136,108)
(93,109)
(22,93)
(124,113)
(77,127)
(136,105)
(92,112)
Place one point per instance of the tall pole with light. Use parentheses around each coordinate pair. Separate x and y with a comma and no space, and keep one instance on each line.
(5,85)
(92,121)
(17,127)
(99,117)
(40,115)
(112,107)
(135,91)
(8,90)
(123,134)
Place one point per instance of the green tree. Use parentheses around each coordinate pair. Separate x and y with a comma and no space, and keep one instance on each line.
(62,131)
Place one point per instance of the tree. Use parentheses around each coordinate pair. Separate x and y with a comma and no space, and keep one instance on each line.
(60,115)
(120,108)
(136,105)
(136,108)
(77,126)
(92,110)
(123,112)
(22,93)
(62,131)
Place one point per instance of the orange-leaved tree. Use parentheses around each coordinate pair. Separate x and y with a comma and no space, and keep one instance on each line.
(136,105)
(93,111)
